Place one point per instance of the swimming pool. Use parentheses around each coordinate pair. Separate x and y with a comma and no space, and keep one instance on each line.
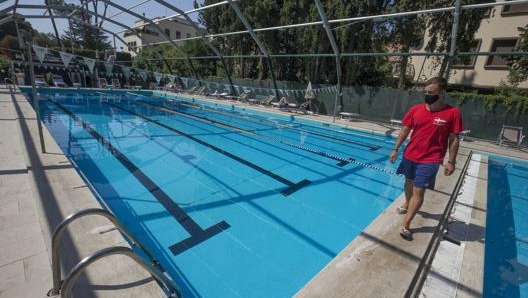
(233,202)
(506,246)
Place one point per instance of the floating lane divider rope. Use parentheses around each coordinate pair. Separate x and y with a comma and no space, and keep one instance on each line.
(292,186)
(342,160)
(197,234)
(371,147)
(373,167)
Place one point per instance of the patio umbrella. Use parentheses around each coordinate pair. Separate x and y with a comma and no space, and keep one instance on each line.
(309,94)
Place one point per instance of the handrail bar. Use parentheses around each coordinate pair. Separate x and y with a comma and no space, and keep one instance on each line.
(174,291)
(423,269)
(57,234)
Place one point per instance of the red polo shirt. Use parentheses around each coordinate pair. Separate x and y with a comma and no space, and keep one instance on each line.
(430,132)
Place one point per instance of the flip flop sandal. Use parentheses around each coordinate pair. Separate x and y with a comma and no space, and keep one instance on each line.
(406,234)
(401,210)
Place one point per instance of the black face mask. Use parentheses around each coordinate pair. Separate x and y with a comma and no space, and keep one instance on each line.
(430,98)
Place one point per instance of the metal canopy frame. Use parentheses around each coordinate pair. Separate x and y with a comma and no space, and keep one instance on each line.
(324,22)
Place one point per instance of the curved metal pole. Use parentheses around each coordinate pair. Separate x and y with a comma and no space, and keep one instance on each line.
(333,43)
(64,16)
(15,19)
(259,44)
(454,29)
(117,250)
(69,17)
(211,46)
(104,30)
(35,98)
(57,234)
(161,32)
(54,25)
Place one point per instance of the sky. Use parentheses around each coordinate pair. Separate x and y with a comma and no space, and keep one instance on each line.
(150,8)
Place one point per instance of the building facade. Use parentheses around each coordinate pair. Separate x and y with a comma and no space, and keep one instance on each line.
(497,33)
(145,33)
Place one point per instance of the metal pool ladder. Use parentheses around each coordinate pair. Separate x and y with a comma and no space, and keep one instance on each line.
(65,287)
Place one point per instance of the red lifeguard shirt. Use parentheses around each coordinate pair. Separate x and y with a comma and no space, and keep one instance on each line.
(430,132)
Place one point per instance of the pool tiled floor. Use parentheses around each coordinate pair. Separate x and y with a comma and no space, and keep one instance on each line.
(39,189)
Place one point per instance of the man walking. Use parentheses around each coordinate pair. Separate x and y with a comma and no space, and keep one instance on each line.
(435,126)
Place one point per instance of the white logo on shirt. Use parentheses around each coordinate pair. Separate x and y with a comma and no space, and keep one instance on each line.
(439,121)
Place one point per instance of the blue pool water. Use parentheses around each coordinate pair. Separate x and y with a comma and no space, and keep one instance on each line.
(506,247)
(234,203)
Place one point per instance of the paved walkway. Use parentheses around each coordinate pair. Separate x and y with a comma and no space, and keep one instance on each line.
(39,189)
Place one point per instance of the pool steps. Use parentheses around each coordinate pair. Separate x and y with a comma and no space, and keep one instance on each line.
(65,287)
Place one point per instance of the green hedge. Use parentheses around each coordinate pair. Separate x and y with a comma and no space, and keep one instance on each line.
(511,99)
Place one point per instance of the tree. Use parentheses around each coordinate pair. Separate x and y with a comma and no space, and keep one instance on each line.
(9,28)
(519,64)
(45,39)
(84,31)
(362,37)
(440,27)
(404,31)
(9,41)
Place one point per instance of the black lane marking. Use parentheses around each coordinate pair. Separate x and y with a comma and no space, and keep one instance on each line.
(292,186)
(198,234)
(371,147)
(343,161)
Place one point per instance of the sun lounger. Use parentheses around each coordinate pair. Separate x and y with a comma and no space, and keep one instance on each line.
(58,81)
(116,83)
(103,83)
(511,135)
(304,108)
(284,103)
(200,91)
(396,122)
(75,79)
(349,115)
(40,81)
(463,134)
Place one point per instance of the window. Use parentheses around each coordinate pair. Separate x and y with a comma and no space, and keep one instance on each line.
(500,45)
(188,35)
(515,9)
(167,32)
(468,61)
(178,35)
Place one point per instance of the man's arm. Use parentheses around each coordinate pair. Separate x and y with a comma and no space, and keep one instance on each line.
(454,142)
(404,133)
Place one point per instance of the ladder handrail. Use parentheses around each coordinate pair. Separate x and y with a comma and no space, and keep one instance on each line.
(160,277)
(57,234)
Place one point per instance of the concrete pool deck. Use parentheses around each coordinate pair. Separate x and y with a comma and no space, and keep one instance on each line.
(38,190)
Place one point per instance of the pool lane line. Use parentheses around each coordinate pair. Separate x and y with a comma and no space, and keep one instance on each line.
(371,147)
(197,234)
(343,161)
(292,186)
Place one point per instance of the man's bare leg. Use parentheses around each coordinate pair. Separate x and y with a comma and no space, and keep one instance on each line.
(415,203)
(408,189)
